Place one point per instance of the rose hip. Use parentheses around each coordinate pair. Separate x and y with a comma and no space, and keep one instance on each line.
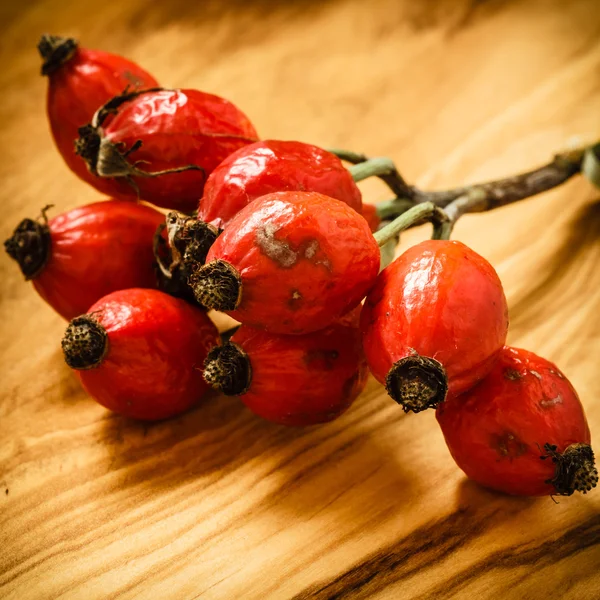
(273,166)
(79,82)
(85,253)
(293,380)
(161,145)
(434,321)
(289,262)
(522,430)
(140,352)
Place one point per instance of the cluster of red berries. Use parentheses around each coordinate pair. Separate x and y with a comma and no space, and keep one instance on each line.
(283,244)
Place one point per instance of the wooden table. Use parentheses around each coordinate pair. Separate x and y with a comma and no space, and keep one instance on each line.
(217,503)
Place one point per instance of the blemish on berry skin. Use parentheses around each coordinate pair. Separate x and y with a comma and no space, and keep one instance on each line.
(311,249)
(295,300)
(547,403)
(278,251)
(512,374)
(508,445)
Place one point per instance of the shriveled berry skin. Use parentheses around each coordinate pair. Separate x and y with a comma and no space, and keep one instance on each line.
(78,88)
(497,431)
(304,259)
(441,300)
(97,249)
(156,347)
(274,166)
(304,379)
(176,128)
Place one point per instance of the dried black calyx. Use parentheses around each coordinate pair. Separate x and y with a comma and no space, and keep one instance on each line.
(190,239)
(189,243)
(30,245)
(55,52)
(217,285)
(575,469)
(85,343)
(417,383)
(227,369)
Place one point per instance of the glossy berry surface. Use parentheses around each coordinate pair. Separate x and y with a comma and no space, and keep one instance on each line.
(91,251)
(441,301)
(147,363)
(523,410)
(79,86)
(300,260)
(274,166)
(163,130)
(293,380)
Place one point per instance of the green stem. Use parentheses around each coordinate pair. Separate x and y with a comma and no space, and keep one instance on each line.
(422,212)
(388,172)
(390,209)
(373,167)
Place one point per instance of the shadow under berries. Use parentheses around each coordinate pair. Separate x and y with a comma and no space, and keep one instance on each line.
(303,469)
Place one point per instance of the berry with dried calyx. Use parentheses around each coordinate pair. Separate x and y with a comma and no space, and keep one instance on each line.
(77,257)
(140,352)
(274,166)
(433,323)
(289,262)
(160,145)
(522,430)
(293,380)
(79,81)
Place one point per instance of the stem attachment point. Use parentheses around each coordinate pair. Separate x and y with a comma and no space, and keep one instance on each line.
(417,383)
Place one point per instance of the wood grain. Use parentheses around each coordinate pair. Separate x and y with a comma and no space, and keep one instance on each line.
(218,504)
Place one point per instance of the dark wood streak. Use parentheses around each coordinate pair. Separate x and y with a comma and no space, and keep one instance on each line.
(571,542)
(423,547)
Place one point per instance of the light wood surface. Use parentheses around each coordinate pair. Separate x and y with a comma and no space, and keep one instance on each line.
(217,503)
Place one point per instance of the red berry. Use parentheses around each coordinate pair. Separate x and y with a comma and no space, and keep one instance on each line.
(85,253)
(522,430)
(161,145)
(79,82)
(289,262)
(369,212)
(435,320)
(273,166)
(140,353)
(293,380)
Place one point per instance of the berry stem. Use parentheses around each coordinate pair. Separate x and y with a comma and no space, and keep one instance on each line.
(478,197)
(383,168)
(417,214)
